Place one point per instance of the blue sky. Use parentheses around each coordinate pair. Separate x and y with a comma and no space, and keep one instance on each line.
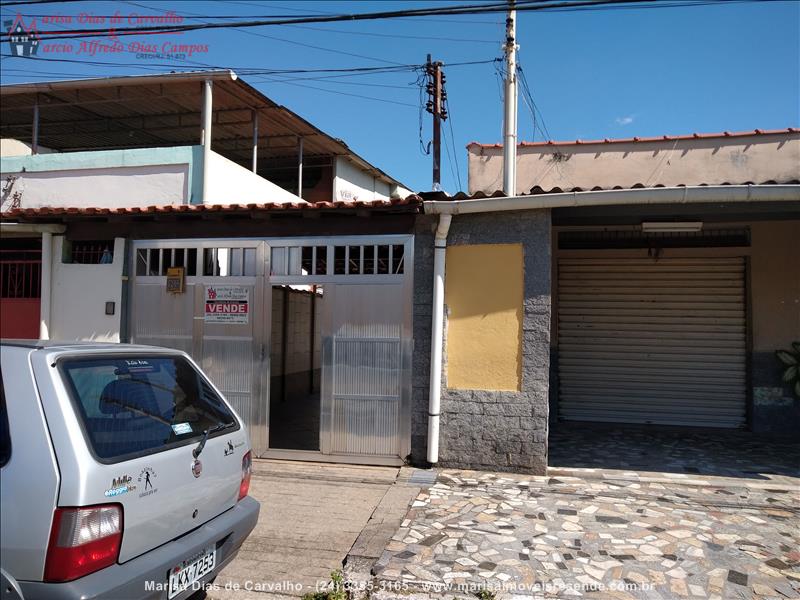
(593,74)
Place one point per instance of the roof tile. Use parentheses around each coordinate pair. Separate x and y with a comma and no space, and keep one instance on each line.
(692,136)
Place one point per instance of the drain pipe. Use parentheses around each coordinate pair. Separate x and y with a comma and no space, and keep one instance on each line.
(435,391)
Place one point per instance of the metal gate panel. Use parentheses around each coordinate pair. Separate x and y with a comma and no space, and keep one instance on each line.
(162,319)
(646,340)
(231,354)
(367,340)
(363,371)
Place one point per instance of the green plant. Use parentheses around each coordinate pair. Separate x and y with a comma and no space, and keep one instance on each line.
(791,359)
(485,594)
(335,589)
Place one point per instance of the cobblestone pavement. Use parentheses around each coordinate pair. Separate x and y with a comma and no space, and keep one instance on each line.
(570,536)
(721,453)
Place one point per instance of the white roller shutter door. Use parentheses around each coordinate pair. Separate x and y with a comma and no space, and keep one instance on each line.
(652,341)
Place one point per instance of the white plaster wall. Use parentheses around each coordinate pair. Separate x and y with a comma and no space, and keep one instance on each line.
(12,147)
(230,183)
(350,183)
(670,163)
(112,187)
(79,296)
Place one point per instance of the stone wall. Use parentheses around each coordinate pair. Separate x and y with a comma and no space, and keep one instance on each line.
(481,429)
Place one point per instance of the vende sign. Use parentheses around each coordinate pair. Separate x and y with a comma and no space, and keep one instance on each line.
(227,304)
(225,307)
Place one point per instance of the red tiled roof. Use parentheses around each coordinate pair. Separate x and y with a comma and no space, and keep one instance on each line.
(536,190)
(692,136)
(411,203)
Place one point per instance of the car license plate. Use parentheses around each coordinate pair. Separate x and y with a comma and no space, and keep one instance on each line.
(190,571)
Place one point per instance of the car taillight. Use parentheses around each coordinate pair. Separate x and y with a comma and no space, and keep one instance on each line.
(247,470)
(82,541)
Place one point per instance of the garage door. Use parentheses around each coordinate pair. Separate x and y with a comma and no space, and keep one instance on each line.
(652,341)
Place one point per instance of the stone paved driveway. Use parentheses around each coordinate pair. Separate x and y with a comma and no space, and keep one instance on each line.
(702,452)
(599,538)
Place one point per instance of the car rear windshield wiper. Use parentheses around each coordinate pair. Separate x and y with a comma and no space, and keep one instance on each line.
(218,427)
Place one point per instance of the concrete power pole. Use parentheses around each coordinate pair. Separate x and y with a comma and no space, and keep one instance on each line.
(510,112)
(435,106)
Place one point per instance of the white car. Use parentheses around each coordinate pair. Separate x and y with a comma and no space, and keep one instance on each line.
(124,473)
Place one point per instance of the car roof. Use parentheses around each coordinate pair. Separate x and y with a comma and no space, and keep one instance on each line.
(57,345)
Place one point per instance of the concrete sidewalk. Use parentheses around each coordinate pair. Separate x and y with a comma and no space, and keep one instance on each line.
(312,516)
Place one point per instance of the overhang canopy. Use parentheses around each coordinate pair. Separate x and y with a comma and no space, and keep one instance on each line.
(163,110)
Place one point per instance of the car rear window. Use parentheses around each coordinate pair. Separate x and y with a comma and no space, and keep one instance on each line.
(138,405)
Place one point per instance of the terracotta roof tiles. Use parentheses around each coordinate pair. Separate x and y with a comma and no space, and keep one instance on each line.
(691,136)
(411,203)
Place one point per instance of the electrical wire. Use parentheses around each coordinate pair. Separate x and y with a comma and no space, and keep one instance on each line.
(450,159)
(421,82)
(529,98)
(493,7)
(453,141)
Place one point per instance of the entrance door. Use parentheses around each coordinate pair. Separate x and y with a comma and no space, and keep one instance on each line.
(341,349)
(363,370)
(295,363)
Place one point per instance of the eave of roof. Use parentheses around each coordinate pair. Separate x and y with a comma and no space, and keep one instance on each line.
(412,203)
(692,136)
(536,190)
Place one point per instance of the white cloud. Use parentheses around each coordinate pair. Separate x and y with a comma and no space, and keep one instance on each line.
(624,120)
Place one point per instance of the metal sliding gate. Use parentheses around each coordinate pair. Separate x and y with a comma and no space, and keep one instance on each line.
(222,319)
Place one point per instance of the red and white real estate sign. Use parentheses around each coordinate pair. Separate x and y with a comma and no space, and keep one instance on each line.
(227,304)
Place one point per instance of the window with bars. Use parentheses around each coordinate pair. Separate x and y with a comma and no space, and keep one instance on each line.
(229,262)
(89,252)
(155,261)
(217,262)
(361,259)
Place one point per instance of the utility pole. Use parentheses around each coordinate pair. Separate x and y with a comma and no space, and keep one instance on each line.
(435,106)
(510,120)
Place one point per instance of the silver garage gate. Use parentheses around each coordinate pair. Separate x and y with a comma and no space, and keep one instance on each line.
(645,340)
(253,310)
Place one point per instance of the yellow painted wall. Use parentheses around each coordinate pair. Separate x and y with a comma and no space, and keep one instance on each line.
(484,295)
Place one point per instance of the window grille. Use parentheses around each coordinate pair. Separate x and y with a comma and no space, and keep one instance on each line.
(95,252)
(155,261)
(357,259)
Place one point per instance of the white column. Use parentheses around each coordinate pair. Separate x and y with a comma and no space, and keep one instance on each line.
(255,141)
(47,275)
(206,138)
(300,167)
(510,120)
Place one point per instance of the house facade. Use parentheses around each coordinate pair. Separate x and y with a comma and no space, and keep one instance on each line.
(658,279)
(369,325)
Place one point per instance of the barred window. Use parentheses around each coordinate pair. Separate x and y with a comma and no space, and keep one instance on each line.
(89,252)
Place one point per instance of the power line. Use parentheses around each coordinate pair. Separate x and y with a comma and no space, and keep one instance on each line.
(453,142)
(259,71)
(361,96)
(527,93)
(494,7)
